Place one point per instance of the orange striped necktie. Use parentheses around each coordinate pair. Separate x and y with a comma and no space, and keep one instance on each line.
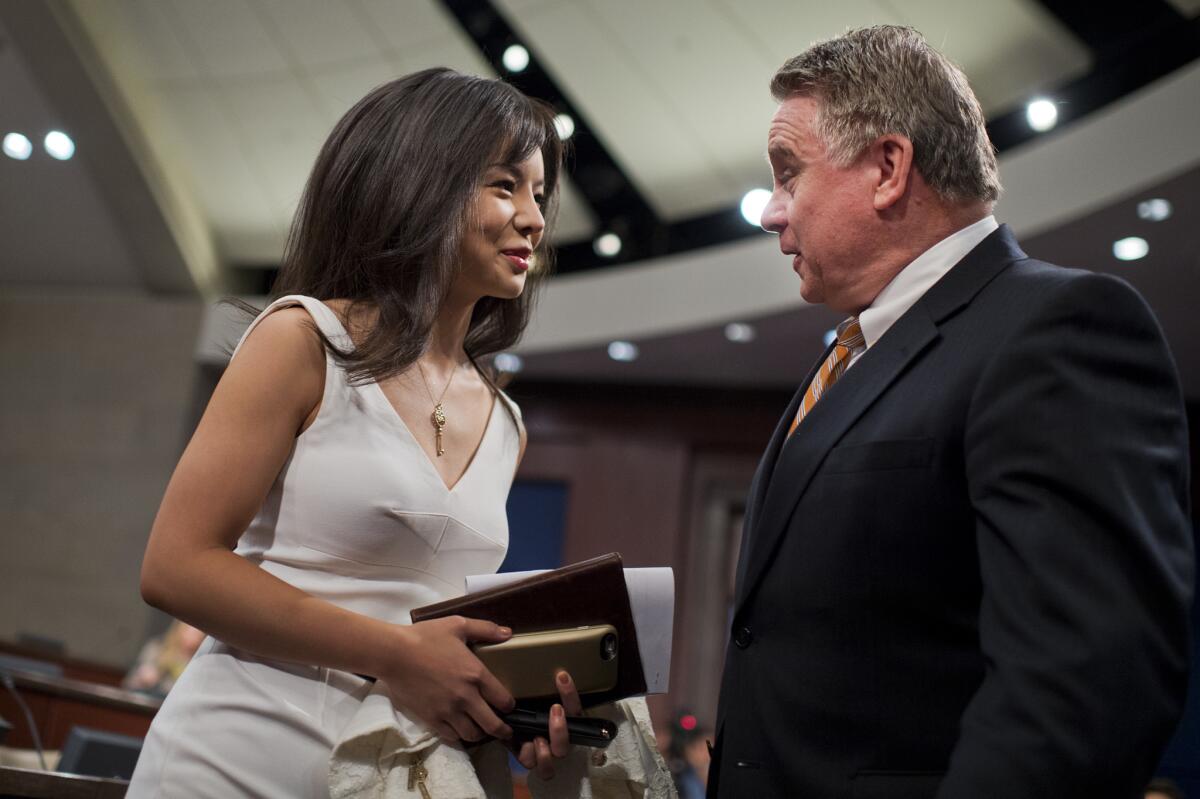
(850,338)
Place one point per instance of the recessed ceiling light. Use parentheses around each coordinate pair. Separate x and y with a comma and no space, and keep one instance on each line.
(1155,210)
(507,362)
(607,245)
(515,58)
(754,202)
(17,146)
(623,351)
(564,126)
(1041,114)
(739,332)
(1131,248)
(59,145)
(830,337)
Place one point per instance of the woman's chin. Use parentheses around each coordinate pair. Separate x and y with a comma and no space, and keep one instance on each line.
(510,289)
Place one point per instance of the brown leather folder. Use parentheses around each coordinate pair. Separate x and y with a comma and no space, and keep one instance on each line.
(585,593)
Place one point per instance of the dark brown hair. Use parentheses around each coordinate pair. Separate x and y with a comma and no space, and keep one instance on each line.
(383,216)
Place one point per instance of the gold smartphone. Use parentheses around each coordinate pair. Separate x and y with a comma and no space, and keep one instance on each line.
(527,663)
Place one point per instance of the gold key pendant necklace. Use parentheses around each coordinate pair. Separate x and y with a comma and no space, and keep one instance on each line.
(417,774)
(438,417)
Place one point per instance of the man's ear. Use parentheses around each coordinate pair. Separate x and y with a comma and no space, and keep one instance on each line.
(893,157)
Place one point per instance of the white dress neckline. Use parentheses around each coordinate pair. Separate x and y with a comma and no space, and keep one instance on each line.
(483,440)
(407,431)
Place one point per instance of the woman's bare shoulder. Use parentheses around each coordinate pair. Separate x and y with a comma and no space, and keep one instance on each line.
(282,351)
(287,331)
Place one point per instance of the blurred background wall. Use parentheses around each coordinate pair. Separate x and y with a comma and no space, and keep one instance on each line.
(93,415)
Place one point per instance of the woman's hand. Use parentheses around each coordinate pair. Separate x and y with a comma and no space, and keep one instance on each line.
(438,679)
(539,754)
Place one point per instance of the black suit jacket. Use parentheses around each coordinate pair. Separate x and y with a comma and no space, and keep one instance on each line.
(968,573)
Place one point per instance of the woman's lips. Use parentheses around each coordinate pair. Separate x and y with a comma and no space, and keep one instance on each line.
(518,258)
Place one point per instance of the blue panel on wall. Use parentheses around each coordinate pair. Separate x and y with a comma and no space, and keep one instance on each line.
(537,516)
(1182,759)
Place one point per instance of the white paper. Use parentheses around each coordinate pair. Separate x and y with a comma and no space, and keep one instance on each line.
(652,600)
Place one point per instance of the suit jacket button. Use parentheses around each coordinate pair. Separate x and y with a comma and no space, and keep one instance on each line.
(743,637)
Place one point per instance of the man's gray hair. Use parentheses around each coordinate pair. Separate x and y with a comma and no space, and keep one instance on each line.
(887,79)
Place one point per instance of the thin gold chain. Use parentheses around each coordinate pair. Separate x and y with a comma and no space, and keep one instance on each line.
(428,391)
(438,417)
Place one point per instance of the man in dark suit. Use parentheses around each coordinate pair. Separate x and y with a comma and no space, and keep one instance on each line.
(967,559)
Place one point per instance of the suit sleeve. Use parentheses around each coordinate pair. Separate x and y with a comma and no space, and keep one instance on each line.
(1077,466)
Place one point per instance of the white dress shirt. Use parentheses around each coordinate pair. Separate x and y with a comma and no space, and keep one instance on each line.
(911,283)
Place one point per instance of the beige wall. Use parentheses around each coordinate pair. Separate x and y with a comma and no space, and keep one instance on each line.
(95,394)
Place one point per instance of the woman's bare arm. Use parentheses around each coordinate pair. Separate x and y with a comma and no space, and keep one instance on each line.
(269,393)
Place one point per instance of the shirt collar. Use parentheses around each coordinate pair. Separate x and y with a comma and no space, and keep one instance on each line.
(919,276)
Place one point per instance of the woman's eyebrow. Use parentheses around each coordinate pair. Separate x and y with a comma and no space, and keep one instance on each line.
(516,171)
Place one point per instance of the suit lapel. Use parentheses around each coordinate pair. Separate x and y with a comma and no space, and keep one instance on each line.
(824,425)
(766,466)
(789,465)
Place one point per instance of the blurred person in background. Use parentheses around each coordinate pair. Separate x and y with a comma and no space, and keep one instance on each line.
(163,658)
(686,753)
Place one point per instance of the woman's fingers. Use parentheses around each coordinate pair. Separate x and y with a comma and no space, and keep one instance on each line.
(560,746)
(494,693)
(447,734)
(446,686)
(540,754)
(545,760)
(466,729)
(484,718)
(527,757)
(568,694)
(482,631)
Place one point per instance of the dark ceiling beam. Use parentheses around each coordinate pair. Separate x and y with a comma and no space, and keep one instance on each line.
(1110,30)
(1132,45)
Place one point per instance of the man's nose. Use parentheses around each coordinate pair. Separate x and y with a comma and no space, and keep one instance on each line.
(774,216)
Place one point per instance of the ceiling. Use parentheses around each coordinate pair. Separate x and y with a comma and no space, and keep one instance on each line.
(243,92)
(233,98)
(197,120)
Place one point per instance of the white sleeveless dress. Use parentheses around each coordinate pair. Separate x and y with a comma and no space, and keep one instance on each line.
(360,517)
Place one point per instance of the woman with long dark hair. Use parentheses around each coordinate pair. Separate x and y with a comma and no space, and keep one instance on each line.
(354,461)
